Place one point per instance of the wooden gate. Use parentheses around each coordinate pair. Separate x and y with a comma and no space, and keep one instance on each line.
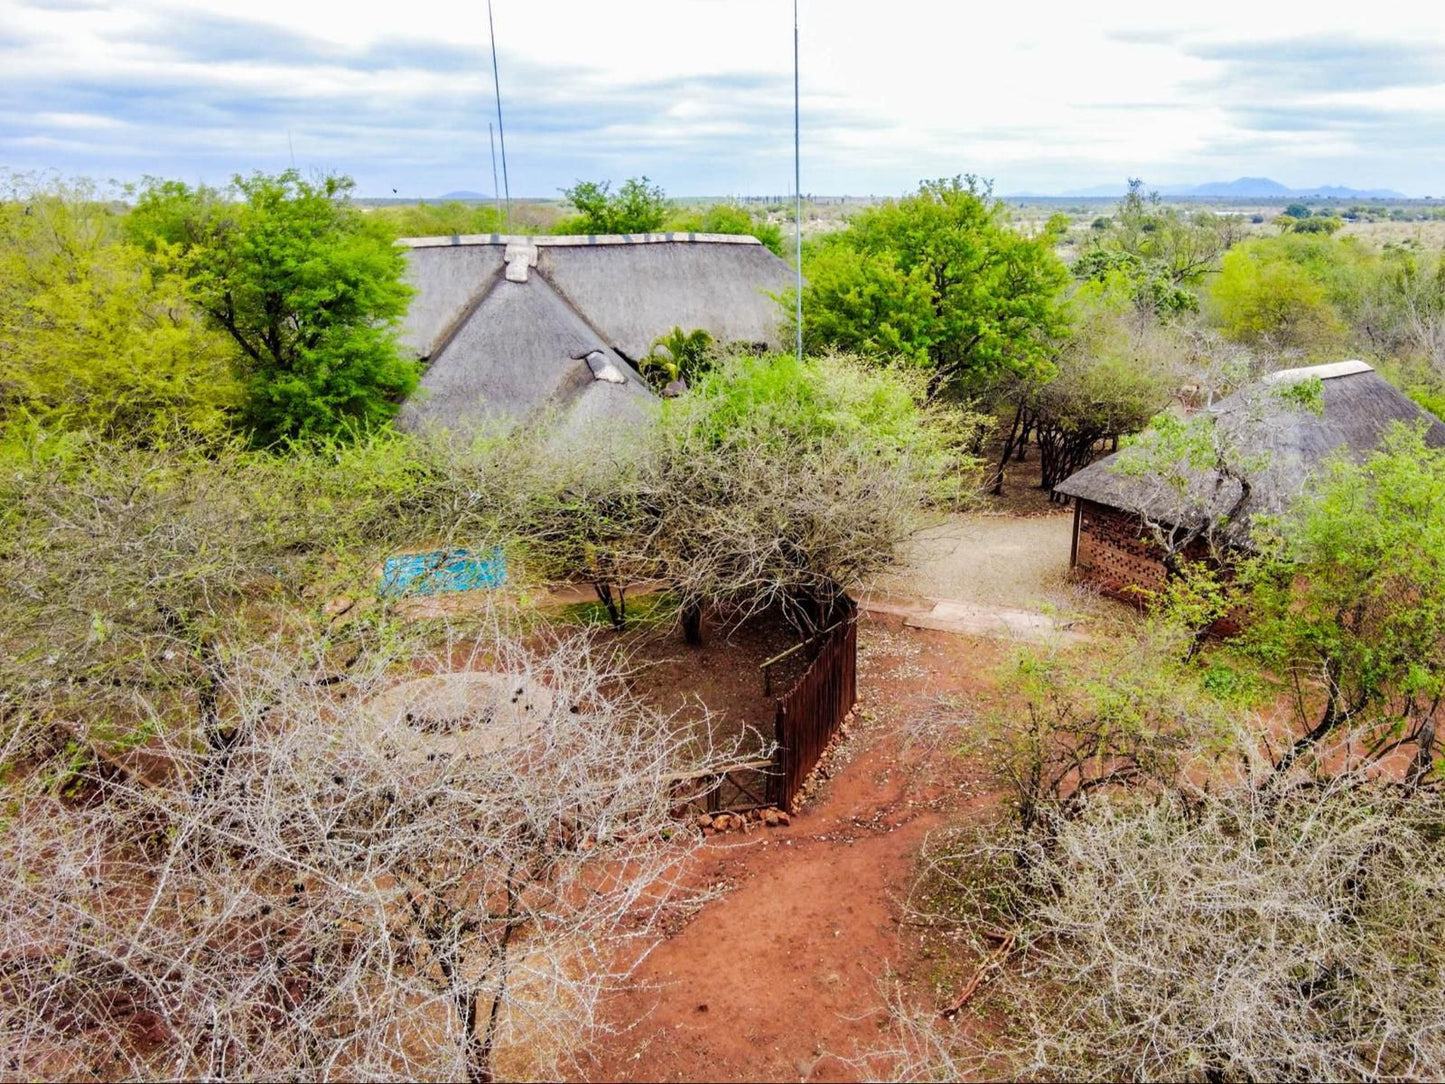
(809,714)
(805,720)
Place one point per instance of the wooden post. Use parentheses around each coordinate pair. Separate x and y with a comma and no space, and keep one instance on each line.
(1078,519)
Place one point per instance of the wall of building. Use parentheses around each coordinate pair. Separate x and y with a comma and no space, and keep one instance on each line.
(1111,553)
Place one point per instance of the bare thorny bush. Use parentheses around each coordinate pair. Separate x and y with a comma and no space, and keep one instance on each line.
(1293,933)
(326,903)
(1161,903)
(219,865)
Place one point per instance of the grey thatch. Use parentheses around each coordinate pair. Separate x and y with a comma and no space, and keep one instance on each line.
(515,327)
(1278,441)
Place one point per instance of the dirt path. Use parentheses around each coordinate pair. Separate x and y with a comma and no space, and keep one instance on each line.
(780,978)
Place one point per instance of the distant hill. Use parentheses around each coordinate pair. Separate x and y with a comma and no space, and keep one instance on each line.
(463,194)
(1243,188)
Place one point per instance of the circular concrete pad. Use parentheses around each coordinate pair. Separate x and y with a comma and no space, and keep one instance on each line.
(460,713)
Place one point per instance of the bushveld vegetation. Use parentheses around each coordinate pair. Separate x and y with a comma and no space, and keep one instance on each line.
(1214,862)
(223,865)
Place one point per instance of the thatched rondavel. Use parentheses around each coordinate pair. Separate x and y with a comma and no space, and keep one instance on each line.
(1281,444)
(514,328)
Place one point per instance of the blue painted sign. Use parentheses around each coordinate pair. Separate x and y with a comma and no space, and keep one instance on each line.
(442,570)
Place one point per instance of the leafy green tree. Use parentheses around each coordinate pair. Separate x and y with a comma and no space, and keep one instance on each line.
(309,289)
(1350,591)
(868,304)
(1115,371)
(1297,211)
(1316,224)
(94,337)
(942,280)
(636,207)
(1163,251)
(1153,288)
(1266,296)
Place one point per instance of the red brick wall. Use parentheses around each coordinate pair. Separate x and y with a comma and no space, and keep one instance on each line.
(1113,555)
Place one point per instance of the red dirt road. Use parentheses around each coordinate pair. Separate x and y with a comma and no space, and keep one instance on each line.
(781,978)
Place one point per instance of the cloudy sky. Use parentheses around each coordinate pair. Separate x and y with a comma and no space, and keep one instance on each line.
(697,94)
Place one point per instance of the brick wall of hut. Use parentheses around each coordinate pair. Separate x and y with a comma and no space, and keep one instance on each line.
(1113,554)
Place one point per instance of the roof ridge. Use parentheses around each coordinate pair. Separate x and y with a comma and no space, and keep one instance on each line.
(578,240)
(463,316)
(1328,371)
(577,312)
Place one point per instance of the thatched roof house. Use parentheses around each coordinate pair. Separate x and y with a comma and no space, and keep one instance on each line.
(514,327)
(1279,443)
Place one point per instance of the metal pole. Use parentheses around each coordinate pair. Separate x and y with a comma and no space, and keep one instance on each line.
(501,132)
(797,191)
(496,188)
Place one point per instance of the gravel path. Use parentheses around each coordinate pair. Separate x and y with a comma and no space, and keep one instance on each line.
(992,560)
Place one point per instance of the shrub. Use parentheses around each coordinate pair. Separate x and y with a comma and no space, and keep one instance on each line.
(1236,936)
(94,337)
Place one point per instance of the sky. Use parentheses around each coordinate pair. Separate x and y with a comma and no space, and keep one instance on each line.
(697,94)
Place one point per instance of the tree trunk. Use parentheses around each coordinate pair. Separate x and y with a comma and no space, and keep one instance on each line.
(692,622)
(1424,758)
(1008,448)
(1327,723)
(616,605)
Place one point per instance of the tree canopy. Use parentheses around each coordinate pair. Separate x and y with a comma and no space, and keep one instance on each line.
(938,278)
(636,207)
(93,336)
(1350,590)
(307,287)
(1164,252)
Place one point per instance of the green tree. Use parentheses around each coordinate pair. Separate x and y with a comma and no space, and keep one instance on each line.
(1350,590)
(1315,224)
(1297,211)
(1163,251)
(1115,371)
(92,336)
(309,289)
(941,279)
(1265,295)
(636,207)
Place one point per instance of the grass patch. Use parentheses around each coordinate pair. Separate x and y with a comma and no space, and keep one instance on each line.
(643,611)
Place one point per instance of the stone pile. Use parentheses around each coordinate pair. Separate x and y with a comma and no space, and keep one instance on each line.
(711,824)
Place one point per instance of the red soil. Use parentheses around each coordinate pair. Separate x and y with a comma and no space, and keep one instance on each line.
(782,976)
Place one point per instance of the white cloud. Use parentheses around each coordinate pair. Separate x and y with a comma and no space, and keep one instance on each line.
(697,93)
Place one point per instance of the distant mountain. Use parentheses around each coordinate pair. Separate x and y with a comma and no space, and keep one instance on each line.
(463,194)
(1243,188)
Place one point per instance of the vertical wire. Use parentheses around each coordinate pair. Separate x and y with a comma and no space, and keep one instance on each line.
(797,191)
(501,132)
(496,185)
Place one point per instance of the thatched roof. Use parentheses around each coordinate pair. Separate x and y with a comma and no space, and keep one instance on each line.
(503,322)
(1278,441)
